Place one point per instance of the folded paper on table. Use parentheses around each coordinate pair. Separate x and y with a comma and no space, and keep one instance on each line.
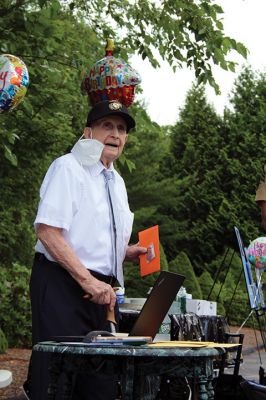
(150,262)
(132,340)
(192,344)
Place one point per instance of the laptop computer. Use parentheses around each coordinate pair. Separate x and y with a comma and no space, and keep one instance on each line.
(152,314)
(159,301)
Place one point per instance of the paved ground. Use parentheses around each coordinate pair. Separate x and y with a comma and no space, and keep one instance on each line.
(251,365)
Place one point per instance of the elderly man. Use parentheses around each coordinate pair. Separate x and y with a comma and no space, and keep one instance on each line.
(77,259)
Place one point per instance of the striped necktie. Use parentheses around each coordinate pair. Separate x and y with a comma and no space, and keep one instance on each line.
(112,202)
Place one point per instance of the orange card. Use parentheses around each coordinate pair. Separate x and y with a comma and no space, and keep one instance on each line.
(150,262)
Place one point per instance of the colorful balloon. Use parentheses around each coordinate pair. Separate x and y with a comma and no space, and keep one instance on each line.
(256,252)
(14,81)
(111,79)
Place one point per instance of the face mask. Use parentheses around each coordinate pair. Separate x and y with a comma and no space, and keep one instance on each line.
(87,151)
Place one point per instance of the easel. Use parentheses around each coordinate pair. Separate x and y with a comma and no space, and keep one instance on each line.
(256,298)
(254,288)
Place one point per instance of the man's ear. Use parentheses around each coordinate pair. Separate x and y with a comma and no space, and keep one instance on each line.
(87,132)
(126,138)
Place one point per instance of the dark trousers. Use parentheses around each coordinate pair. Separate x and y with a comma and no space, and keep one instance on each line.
(58,309)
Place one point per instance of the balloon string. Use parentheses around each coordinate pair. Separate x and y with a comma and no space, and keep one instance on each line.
(244,322)
(254,304)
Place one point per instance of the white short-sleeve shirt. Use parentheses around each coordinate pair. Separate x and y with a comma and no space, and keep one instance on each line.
(74,198)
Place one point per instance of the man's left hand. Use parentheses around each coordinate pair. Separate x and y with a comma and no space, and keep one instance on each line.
(134,251)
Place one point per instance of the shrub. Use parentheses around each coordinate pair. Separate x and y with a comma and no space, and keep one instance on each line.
(15,312)
(206,282)
(3,342)
(163,259)
(182,265)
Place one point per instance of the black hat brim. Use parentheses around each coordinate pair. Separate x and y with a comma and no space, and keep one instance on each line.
(105,109)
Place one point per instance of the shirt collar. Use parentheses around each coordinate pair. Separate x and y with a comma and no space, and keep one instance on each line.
(96,169)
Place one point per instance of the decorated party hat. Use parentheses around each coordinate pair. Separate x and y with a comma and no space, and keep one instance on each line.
(111,79)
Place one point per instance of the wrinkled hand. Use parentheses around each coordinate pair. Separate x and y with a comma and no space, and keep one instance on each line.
(99,292)
(134,251)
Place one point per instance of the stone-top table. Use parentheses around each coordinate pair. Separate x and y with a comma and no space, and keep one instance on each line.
(136,367)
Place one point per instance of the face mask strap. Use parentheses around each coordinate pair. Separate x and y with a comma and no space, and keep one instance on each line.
(90,133)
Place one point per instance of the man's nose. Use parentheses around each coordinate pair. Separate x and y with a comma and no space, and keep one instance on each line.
(115,132)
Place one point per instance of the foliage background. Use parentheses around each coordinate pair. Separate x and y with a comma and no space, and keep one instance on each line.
(196,179)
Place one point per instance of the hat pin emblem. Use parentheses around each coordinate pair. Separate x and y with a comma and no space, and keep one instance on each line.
(115,105)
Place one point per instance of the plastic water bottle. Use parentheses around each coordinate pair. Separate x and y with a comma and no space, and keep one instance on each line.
(120,295)
(181,297)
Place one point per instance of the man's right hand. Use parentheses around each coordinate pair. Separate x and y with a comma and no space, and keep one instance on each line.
(99,292)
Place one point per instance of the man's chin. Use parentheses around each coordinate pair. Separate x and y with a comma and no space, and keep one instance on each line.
(110,154)
(107,160)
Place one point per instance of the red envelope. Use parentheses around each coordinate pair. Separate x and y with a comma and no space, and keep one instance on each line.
(150,262)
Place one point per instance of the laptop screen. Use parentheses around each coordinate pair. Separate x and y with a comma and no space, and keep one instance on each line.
(157,304)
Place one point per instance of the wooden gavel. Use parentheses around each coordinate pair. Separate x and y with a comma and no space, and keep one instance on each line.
(110,316)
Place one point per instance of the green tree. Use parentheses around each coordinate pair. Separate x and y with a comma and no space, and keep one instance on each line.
(182,265)
(218,163)
(146,147)
(163,259)
(15,311)
(229,290)
(185,33)
(49,119)
(152,195)
(195,167)
(3,342)
(206,282)
(235,302)
(147,189)
(52,114)
(244,154)
(229,260)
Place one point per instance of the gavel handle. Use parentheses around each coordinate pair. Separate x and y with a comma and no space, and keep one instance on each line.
(110,316)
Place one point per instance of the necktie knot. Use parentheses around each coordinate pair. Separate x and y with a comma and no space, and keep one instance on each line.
(108,174)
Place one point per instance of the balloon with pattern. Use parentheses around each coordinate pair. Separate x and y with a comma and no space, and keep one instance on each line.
(256,253)
(14,81)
